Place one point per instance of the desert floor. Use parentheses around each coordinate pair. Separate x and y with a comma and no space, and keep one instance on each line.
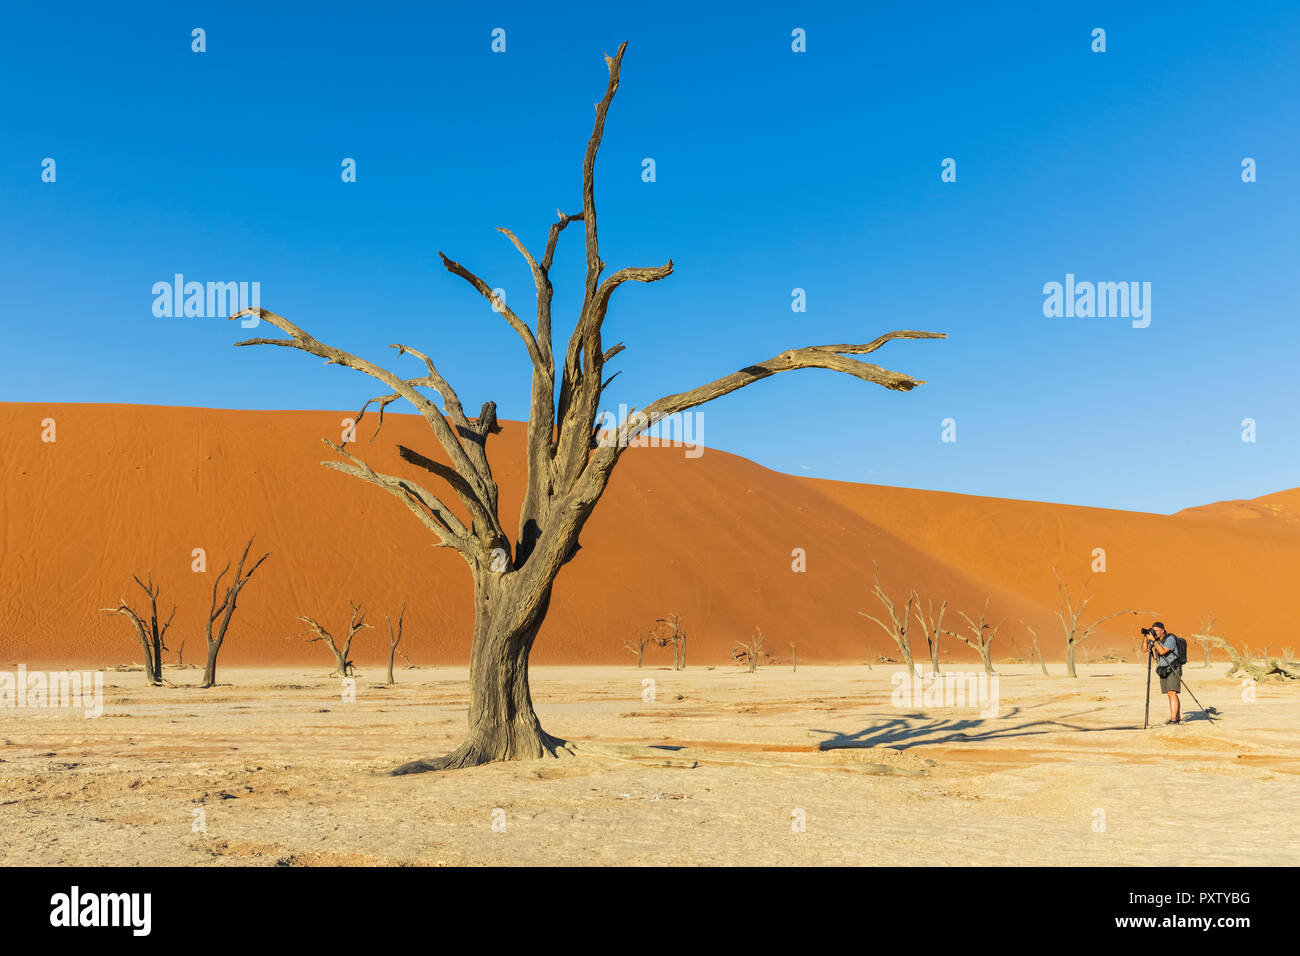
(286,772)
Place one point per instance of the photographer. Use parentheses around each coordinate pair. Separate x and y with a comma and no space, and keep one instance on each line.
(1164,647)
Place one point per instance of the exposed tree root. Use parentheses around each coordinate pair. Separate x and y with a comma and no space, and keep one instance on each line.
(471,755)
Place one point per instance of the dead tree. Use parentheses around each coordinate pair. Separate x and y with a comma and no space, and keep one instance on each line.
(152,635)
(572,449)
(1205,637)
(1034,635)
(1015,648)
(748,652)
(225,610)
(1070,615)
(643,640)
(931,628)
(1270,668)
(983,634)
(670,631)
(394,639)
(897,629)
(343,666)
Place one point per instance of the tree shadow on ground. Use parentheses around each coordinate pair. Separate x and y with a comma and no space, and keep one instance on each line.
(916,730)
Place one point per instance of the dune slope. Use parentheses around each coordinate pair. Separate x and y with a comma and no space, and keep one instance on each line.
(132,489)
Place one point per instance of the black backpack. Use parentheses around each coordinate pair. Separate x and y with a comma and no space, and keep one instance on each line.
(1179,656)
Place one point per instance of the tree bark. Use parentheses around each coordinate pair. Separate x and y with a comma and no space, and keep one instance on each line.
(502,722)
(210,669)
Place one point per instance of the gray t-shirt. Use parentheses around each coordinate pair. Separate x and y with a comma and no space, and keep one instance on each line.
(1166,659)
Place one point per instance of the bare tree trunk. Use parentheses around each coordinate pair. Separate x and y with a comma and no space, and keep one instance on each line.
(502,722)
(1069,659)
(394,638)
(210,668)
(150,674)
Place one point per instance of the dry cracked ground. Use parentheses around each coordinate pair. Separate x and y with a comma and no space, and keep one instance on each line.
(273,767)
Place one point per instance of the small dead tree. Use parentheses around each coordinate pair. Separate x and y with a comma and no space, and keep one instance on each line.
(748,652)
(572,449)
(983,634)
(151,635)
(394,637)
(1015,648)
(643,640)
(1205,637)
(343,666)
(931,629)
(220,612)
(1070,615)
(898,627)
(1034,635)
(794,657)
(671,631)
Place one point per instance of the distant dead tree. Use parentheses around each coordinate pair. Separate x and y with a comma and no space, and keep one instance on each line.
(794,658)
(342,663)
(931,628)
(1243,662)
(639,644)
(1034,634)
(1205,637)
(571,450)
(898,626)
(1015,648)
(670,631)
(748,652)
(1070,615)
(393,639)
(983,634)
(225,610)
(151,635)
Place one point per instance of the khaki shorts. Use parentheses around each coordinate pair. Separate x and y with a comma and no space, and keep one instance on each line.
(1173,682)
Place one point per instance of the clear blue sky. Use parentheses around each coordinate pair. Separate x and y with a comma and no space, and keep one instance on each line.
(775,170)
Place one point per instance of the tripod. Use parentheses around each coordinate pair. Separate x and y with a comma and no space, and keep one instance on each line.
(1198,703)
(1146,719)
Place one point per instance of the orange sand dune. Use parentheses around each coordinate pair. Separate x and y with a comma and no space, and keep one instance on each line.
(128,489)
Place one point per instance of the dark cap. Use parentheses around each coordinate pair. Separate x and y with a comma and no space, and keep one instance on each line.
(1159,625)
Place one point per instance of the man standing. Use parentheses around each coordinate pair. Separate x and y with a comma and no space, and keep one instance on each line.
(1164,646)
